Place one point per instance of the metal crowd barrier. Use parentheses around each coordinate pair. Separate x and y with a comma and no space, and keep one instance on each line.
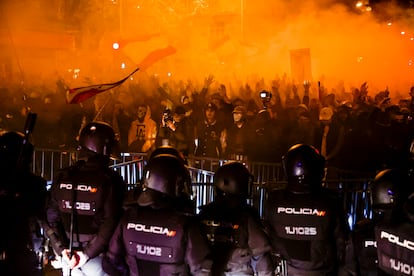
(350,186)
(131,171)
(47,162)
(353,195)
(262,172)
(204,163)
(203,189)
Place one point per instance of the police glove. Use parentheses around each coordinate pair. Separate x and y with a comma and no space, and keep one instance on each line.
(56,263)
(80,258)
(67,258)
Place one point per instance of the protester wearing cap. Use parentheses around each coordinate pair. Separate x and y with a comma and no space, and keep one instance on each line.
(325,116)
(210,106)
(330,135)
(224,105)
(238,136)
(241,110)
(209,134)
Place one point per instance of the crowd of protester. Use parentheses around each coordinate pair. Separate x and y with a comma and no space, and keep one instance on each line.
(353,130)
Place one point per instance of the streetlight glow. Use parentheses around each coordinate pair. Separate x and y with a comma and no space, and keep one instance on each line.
(115,45)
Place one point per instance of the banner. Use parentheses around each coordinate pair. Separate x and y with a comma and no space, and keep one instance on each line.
(300,65)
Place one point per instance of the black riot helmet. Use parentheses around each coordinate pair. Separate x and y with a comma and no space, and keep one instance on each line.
(304,169)
(166,179)
(16,152)
(389,190)
(166,149)
(99,138)
(233,179)
(170,150)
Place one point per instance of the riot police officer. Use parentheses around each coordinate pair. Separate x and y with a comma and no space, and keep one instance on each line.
(86,203)
(156,236)
(383,191)
(185,202)
(233,228)
(22,199)
(307,225)
(394,233)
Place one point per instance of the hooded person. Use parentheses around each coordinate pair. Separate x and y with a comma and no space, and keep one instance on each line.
(142,131)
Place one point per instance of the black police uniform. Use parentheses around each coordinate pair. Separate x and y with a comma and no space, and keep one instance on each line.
(394,228)
(395,247)
(157,242)
(308,230)
(237,239)
(384,197)
(208,135)
(365,247)
(98,193)
(233,228)
(22,200)
(307,223)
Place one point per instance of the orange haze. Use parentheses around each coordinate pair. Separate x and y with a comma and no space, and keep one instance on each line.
(232,40)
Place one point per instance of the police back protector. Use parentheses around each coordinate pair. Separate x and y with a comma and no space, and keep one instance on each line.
(395,245)
(85,187)
(306,228)
(225,229)
(155,236)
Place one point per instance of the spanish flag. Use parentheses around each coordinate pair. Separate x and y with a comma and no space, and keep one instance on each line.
(80,94)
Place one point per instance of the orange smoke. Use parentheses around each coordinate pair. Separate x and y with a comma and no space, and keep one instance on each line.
(232,40)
